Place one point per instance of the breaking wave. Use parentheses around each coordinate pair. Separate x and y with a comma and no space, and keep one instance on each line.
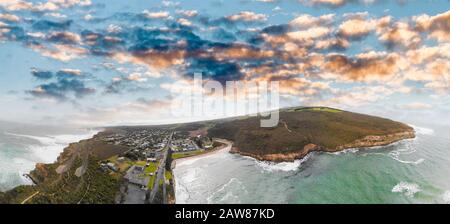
(422,130)
(446,197)
(50,147)
(352,150)
(19,155)
(283,166)
(407,148)
(225,193)
(408,189)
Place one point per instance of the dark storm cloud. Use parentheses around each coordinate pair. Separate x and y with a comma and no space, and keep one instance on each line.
(41,75)
(223,35)
(221,71)
(61,85)
(47,25)
(61,89)
(276,29)
(15,33)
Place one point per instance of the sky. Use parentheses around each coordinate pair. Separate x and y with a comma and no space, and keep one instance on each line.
(111,62)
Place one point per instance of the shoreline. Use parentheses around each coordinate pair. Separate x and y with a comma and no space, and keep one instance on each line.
(88,133)
(225,148)
(222,149)
(368,142)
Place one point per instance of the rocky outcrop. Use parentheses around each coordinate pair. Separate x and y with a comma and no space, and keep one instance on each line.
(372,140)
(280,157)
(366,142)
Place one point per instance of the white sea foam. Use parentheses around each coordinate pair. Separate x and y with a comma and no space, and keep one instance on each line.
(45,150)
(422,130)
(351,150)
(446,197)
(407,148)
(225,193)
(283,166)
(408,189)
(50,147)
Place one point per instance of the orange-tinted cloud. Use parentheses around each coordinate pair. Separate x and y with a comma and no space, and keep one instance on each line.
(438,26)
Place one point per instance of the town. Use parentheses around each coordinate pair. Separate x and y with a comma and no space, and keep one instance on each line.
(146,167)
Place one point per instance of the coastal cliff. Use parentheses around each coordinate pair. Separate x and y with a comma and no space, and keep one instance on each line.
(75,177)
(307,129)
(366,142)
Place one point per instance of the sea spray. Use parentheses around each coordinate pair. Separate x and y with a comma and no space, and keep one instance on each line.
(408,189)
(282,166)
(446,197)
(19,154)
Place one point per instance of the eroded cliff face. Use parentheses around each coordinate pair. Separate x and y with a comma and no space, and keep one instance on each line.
(366,142)
(280,157)
(43,172)
(372,141)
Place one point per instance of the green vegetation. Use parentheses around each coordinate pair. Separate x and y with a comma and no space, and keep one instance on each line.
(326,127)
(140,163)
(95,186)
(150,171)
(168,175)
(153,166)
(179,155)
(151,182)
(323,109)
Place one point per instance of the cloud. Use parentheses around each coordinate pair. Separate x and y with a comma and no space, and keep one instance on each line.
(62,85)
(362,67)
(400,35)
(59,52)
(49,5)
(184,22)
(64,37)
(137,77)
(41,75)
(247,16)
(132,112)
(356,28)
(9,17)
(47,25)
(188,13)
(306,20)
(69,73)
(60,89)
(156,15)
(438,26)
(336,3)
(416,106)
(329,2)
(221,71)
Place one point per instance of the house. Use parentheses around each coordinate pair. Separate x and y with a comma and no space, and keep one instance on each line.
(135,175)
(112,167)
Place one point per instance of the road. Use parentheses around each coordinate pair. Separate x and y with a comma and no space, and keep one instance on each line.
(160,172)
(29,198)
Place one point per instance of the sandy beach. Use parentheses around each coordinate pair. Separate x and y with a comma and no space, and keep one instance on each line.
(222,149)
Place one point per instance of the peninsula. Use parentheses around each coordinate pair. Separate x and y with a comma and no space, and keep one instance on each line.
(134,164)
(307,129)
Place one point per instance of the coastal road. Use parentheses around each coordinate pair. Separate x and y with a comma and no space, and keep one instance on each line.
(160,172)
(29,198)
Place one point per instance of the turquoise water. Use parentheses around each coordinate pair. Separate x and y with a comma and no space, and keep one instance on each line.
(410,171)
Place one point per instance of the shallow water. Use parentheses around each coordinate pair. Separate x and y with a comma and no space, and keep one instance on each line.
(410,171)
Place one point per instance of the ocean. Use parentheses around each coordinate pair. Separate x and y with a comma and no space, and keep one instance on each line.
(410,171)
(19,152)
